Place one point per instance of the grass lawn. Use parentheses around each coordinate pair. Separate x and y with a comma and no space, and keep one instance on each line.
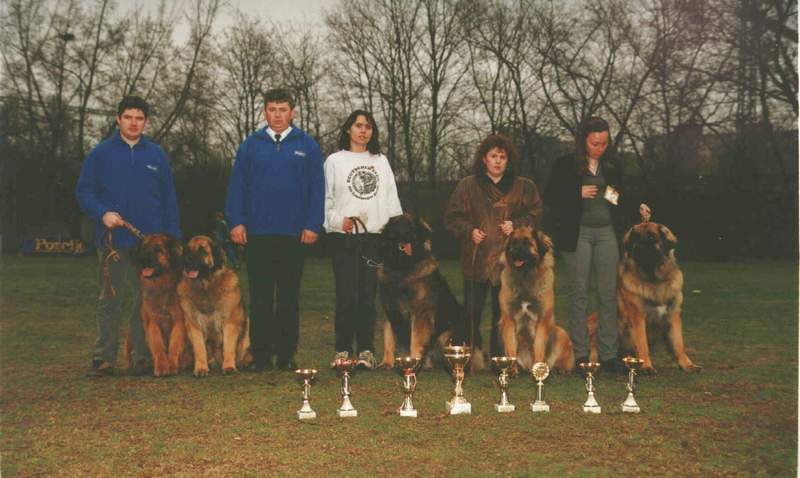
(736,418)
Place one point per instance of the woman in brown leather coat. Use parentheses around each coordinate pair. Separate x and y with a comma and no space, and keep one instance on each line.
(483,210)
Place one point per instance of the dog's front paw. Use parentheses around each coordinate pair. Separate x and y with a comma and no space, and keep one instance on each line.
(648,370)
(691,368)
(229,369)
(200,371)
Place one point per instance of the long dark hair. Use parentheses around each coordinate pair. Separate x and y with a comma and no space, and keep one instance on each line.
(592,124)
(374,145)
(498,141)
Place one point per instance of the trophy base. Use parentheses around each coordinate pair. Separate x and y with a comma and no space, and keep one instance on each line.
(347,413)
(504,408)
(408,413)
(631,408)
(540,407)
(464,408)
(301,415)
(592,408)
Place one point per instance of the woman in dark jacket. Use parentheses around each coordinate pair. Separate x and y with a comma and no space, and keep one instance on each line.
(586,189)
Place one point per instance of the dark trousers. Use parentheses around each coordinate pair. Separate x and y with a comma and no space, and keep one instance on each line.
(274,269)
(474,299)
(356,283)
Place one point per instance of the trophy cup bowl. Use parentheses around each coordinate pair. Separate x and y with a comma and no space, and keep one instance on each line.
(540,371)
(306,376)
(407,367)
(503,365)
(591,405)
(343,368)
(633,364)
(458,356)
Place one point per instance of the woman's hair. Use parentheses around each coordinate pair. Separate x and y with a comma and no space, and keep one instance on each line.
(373,146)
(592,124)
(501,142)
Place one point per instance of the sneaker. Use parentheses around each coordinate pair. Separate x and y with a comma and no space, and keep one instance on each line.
(366,360)
(339,355)
(100,368)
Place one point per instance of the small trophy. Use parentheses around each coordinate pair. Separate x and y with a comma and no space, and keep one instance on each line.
(407,366)
(633,364)
(502,365)
(306,376)
(458,356)
(589,368)
(540,372)
(343,368)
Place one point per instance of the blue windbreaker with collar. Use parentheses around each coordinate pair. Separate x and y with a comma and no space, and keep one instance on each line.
(134,181)
(277,188)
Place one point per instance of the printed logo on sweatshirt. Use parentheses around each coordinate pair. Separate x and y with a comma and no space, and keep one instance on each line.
(151,167)
(302,154)
(362,182)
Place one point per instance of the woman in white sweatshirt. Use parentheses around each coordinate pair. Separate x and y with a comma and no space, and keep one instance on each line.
(360,197)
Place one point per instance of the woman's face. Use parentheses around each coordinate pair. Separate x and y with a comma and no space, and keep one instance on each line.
(496,162)
(360,134)
(596,144)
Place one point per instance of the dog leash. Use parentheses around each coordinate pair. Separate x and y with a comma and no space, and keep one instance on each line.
(113,254)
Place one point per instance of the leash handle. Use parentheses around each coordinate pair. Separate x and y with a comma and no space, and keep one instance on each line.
(113,255)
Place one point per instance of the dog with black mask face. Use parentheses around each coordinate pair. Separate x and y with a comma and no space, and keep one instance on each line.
(650,294)
(211,301)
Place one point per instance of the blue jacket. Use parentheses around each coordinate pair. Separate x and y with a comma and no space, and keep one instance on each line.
(277,188)
(135,182)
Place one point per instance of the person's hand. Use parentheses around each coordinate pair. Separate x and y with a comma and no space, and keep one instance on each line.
(644,211)
(478,236)
(588,192)
(308,237)
(507,227)
(347,225)
(112,219)
(239,235)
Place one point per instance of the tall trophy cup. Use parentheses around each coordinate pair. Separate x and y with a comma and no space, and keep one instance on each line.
(343,368)
(633,364)
(589,368)
(540,371)
(458,356)
(502,365)
(407,366)
(306,376)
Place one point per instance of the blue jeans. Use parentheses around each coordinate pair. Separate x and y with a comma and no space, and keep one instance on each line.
(597,249)
(124,279)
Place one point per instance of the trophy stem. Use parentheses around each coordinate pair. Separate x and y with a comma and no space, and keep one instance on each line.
(347,409)
(458,405)
(591,405)
(306,413)
(540,405)
(409,385)
(630,405)
(504,406)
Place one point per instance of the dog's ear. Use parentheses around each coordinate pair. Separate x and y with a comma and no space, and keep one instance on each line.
(423,229)
(543,243)
(667,237)
(175,248)
(218,254)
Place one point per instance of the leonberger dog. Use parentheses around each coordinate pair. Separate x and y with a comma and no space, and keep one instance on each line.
(421,310)
(212,306)
(527,321)
(650,294)
(158,260)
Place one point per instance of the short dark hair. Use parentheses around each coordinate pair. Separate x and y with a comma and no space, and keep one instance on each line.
(373,146)
(133,102)
(279,95)
(592,124)
(499,141)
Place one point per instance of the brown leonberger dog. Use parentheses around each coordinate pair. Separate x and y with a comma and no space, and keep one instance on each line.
(158,259)
(527,322)
(212,305)
(421,310)
(650,294)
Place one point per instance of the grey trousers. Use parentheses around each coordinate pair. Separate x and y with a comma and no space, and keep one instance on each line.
(597,249)
(124,280)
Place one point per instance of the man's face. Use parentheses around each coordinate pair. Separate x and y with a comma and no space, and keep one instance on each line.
(278,115)
(131,123)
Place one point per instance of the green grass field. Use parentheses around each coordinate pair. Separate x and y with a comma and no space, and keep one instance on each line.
(736,418)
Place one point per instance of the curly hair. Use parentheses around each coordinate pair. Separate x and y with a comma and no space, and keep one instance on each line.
(498,141)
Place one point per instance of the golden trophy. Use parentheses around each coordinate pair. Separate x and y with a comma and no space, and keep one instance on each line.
(503,365)
(407,367)
(540,371)
(306,376)
(633,364)
(589,368)
(458,356)
(343,368)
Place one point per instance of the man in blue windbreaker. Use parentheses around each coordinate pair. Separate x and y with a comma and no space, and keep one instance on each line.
(127,177)
(275,207)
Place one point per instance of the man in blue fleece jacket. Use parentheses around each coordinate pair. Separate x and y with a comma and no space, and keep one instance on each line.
(126,177)
(275,207)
